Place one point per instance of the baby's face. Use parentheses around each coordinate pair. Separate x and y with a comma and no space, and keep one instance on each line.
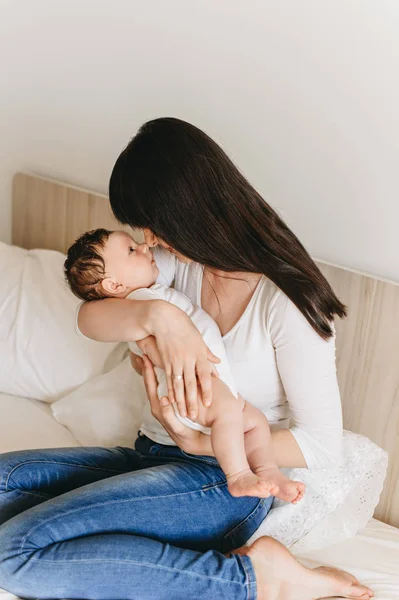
(128,264)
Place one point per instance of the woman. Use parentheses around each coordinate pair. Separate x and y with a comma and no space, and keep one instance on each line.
(98,522)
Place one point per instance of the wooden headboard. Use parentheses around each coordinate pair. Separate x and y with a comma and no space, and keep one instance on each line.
(49,214)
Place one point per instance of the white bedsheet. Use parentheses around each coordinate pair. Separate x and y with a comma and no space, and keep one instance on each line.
(372,556)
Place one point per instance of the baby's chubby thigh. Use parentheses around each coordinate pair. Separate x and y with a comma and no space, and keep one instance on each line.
(224,404)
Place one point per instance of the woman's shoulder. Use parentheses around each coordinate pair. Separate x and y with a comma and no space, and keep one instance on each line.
(282,316)
(271,297)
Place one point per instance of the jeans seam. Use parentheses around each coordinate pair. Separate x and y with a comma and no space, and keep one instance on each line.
(43,496)
(75,510)
(56,462)
(151,565)
(209,486)
(244,521)
(251,582)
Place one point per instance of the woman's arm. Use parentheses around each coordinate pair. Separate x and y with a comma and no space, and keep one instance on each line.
(179,343)
(306,365)
(119,320)
(286,450)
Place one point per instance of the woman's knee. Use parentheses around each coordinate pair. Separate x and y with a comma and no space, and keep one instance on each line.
(20,470)
(17,487)
(9,463)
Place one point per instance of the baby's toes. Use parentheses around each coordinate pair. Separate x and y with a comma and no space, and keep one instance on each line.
(300,492)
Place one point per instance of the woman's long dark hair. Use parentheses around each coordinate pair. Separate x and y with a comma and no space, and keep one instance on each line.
(176,181)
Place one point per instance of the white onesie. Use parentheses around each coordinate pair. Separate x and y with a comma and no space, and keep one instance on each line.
(213,339)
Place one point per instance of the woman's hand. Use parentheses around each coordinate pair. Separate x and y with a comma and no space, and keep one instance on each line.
(149,347)
(188,440)
(137,363)
(183,352)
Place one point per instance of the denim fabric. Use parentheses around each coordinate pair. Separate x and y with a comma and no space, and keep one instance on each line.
(116,523)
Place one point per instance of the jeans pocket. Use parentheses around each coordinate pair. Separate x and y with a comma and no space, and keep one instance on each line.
(239,535)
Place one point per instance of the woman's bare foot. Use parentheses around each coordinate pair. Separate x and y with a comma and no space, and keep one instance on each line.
(246,483)
(279,576)
(288,489)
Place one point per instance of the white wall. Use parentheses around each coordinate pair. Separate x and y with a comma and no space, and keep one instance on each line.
(304,95)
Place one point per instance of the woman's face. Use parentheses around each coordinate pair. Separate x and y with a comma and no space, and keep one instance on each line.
(152,240)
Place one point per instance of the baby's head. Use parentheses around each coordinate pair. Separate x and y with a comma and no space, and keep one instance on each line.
(106,264)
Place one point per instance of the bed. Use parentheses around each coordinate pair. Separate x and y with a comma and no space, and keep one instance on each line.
(50,215)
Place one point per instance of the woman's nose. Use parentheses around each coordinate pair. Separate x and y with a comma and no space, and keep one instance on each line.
(144,248)
(150,238)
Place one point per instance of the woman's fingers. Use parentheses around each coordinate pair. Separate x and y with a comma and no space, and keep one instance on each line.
(212,357)
(149,347)
(179,391)
(161,408)
(214,371)
(190,382)
(173,426)
(151,384)
(137,363)
(205,381)
(169,382)
(182,365)
(164,411)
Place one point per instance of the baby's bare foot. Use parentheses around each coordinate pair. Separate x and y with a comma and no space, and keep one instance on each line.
(288,489)
(279,576)
(246,483)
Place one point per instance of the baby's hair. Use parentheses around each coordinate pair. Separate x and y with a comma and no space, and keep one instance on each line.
(84,267)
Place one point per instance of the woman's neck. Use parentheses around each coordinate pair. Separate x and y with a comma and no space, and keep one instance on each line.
(233,276)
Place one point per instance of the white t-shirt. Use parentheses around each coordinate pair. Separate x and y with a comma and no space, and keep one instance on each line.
(278,361)
(150,426)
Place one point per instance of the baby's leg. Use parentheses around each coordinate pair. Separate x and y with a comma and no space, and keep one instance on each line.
(226,418)
(259,451)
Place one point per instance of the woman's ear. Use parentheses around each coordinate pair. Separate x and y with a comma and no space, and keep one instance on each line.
(112,287)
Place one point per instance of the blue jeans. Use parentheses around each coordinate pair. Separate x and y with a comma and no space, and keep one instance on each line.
(116,523)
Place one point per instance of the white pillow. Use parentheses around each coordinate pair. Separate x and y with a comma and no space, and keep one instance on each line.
(27,423)
(41,355)
(105,411)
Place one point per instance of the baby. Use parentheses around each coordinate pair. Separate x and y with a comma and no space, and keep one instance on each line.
(110,264)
